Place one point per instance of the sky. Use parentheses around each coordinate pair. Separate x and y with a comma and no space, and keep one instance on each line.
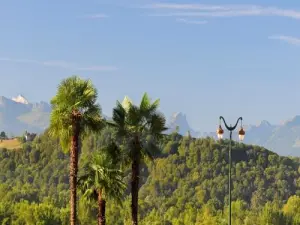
(202,58)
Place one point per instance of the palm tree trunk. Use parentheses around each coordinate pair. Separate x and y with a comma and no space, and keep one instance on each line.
(135,191)
(101,209)
(73,174)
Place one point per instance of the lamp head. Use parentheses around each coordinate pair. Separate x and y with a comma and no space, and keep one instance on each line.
(220,132)
(242,134)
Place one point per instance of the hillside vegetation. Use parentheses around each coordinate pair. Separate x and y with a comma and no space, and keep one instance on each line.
(186,184)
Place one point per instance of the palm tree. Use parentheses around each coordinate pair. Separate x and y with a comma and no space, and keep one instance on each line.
(139,128)
(74,113)
(102,180)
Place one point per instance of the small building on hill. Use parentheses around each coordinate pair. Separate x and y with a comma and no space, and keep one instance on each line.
(29,136)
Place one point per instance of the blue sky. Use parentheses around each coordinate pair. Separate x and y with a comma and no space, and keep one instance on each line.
(203,58)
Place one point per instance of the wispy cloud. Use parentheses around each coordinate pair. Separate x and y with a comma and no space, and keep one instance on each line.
(203,10)
(197,22)
(288,39)
(96,16)
(18,60)
(98,68)
(196,6)
(61,64)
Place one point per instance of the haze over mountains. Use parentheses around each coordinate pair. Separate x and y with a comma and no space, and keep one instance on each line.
(18,115)
(283,139)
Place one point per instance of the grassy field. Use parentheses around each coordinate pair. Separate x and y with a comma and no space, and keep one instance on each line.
(10,144)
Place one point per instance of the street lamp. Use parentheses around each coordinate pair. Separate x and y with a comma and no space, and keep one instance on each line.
(220,133)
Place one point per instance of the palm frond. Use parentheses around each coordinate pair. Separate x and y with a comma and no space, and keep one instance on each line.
(91,119)
(114,152)
(134,124)
(119,120)
(127,103)
(146,107)
(157,124)
(145,102)
(134,119)
(102,174)
(74,95)
(60,127)
(150,149)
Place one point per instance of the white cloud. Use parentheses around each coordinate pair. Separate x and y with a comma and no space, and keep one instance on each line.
(61,64)
(18,60)
(288,39)
(98,68)
(197,6)
(96,16)
(203,10)
(197,22)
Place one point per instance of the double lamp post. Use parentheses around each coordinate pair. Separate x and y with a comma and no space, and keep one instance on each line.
(220,133)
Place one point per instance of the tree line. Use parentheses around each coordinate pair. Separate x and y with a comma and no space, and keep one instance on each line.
(138,128)
(181,180)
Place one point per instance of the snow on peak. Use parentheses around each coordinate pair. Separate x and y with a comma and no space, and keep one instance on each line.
(20,99)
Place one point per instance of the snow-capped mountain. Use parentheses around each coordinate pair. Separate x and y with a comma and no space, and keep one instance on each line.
(20,99)
(18,114)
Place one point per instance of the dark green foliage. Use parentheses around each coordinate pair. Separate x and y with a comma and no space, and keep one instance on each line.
(186,185)
(3,135)
(102,174)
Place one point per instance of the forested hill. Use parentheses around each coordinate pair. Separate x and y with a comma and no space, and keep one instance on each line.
(186,184)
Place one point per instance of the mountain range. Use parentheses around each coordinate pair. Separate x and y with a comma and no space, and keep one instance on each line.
(283,139)
(18,115)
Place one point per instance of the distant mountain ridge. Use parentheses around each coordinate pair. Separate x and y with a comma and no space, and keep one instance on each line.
(179,120)
(20,99)
(283,139)
(18,115)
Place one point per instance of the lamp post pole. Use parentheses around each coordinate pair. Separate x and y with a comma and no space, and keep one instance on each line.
(229,178)
(241,136)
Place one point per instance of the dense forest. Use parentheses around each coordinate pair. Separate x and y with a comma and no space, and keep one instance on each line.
(185,184)
(88,170)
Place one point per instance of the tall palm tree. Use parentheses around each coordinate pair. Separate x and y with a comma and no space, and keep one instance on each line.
(139,128)
(74,113)
(102,180)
